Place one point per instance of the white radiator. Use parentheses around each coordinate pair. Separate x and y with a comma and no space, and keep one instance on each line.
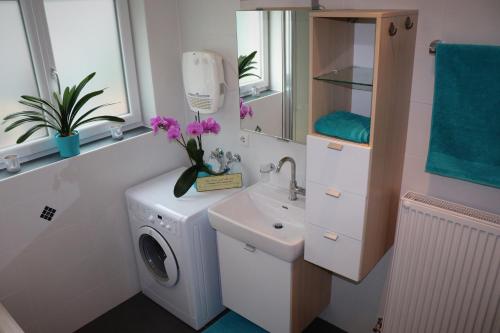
(445,274)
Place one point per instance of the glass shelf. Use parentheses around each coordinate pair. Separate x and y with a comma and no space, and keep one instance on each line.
(359,78)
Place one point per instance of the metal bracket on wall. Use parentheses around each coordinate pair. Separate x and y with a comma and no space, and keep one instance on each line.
(315,5)
(432,46)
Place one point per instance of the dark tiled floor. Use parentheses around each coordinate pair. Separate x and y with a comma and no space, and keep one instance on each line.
(141,315)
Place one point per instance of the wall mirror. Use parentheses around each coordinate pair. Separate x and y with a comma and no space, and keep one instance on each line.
(273,59)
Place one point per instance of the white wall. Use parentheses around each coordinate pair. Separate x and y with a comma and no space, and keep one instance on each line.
(156,37)
(267,114)
(354,307)
(220,16)
(364,51)
(57,276)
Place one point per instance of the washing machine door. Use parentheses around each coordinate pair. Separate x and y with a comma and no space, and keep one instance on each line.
(158,256)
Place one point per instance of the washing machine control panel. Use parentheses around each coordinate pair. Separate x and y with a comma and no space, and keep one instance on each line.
(167,223)
(152,217)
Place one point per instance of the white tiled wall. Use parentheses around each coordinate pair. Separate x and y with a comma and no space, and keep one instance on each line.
(354,307)
(57,276)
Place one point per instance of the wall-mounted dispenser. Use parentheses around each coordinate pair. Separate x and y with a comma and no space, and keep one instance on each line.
(203,76)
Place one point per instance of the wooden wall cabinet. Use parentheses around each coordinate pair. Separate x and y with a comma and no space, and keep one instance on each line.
(360,61)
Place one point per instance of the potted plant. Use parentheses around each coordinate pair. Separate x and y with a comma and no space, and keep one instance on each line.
(64,117)
(245,65)
(193,146)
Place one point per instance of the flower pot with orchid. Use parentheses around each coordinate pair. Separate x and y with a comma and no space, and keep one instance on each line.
(193,146)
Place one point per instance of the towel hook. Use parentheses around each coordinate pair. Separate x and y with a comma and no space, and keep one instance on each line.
(392,29)
(432,46)
(408,23)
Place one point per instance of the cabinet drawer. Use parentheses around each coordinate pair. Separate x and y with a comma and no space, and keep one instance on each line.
(341,256)
(346,168)
(333,208)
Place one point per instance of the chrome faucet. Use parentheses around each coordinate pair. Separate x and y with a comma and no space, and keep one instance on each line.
(224,161)
(294,189)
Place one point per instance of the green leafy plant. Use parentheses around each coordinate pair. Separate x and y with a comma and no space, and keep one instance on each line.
(246,64)
(64,117)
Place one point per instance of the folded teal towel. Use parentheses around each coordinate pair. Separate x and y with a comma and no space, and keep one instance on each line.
(465,131)
(344,125)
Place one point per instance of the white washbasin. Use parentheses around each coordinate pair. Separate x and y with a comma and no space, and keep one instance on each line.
(250,216)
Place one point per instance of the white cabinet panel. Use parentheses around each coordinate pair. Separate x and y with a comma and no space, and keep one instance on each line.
(336,209)
(333,251)
(243,270)
(337,163)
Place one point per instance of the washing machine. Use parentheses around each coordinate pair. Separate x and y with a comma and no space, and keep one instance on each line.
(176,248)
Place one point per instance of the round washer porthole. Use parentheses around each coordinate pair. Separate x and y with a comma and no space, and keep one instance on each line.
(158,257)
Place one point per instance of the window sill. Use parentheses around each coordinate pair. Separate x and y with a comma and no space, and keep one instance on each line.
(262,94)
(85,148)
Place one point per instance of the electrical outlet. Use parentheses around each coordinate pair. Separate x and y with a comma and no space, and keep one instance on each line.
(244,138)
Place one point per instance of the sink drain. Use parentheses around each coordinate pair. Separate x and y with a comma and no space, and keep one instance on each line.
(278,226)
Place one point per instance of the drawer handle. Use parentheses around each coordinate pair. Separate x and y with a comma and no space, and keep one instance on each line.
(335,146)
(333,193)
(249,248)
(331,236)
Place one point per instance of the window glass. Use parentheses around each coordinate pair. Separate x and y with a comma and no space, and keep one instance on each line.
(85,39)
(251,37)
(17,76)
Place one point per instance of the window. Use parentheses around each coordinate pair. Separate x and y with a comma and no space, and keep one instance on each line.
(72,38)
(252,31)
(16,69)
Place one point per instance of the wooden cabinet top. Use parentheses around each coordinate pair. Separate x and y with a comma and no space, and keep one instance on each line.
(364,13)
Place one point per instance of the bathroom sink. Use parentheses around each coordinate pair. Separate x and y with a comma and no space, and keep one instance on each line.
(262,217)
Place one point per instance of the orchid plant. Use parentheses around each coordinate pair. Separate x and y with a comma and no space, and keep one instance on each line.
(245,110)
(193,146)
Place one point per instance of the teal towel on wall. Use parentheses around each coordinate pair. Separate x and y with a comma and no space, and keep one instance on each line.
(344,125)
(465,130)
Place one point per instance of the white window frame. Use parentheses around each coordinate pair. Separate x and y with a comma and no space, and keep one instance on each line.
(37,33)
(262,83)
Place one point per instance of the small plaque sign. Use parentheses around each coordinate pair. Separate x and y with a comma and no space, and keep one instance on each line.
(211,183)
